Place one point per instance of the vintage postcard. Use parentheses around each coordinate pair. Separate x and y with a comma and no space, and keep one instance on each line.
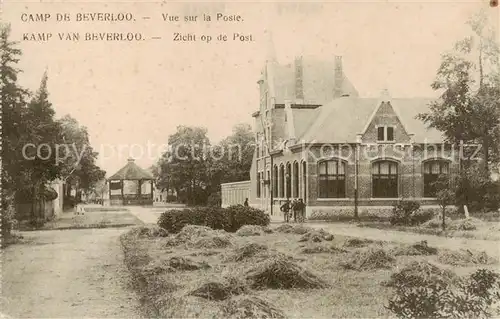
(250,159)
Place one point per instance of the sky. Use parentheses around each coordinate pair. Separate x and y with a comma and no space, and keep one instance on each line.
(133,94)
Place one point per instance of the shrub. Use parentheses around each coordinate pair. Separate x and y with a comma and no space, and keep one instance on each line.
(402,213)
(476,190)
(472,297)
(229,219)
(240,215)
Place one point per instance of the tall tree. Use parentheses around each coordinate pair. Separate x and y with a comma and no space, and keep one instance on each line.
(79,169)
(185,165)
(468,77)
(45,134)
(14,111)
(238,151)
(12,98)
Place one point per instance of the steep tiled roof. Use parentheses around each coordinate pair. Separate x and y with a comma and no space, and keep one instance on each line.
(131,172)
(318,81)
(342,119)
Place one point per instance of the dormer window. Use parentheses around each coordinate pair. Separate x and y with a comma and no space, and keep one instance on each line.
(385,133)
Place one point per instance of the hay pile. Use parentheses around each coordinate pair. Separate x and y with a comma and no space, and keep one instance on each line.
(246,251)
(193,236)
(250,230)
(173,264)
(316,236)
(357,242)
(418,249)
(284,228)
(465,257)
(148,231)
(368,259)
(301,229)
(466,224)
(437,222)
(298,229)
(419,273)
(279,272)
(320,249)
(250,307)
(219,290)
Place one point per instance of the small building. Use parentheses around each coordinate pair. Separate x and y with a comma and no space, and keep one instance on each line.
(131,185)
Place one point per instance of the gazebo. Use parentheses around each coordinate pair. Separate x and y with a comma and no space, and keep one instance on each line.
(131,185)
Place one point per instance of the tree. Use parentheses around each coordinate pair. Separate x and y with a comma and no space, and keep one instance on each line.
(184,167)
(445,195)
(469,79)
(78,168)
(45,134)
(30,132)
(238,154)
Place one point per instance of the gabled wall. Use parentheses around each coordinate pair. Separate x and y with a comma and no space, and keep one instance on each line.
(385,115)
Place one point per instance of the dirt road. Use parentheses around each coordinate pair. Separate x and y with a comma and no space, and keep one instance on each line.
(67,273)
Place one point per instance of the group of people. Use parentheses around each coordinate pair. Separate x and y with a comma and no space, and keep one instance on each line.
(296,208)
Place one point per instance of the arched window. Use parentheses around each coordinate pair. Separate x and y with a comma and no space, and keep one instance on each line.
(288,176)
(385,179)
(296,179)
(304,181)
(432,170)
(275,181)
(331,179)
(282,181)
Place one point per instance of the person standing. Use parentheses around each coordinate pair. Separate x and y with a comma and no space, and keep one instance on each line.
(300,209)
(246,202)
(285,208)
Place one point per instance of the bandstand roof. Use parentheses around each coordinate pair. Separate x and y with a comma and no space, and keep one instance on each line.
(131,171)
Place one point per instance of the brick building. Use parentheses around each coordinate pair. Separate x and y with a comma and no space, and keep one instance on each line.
(318,140)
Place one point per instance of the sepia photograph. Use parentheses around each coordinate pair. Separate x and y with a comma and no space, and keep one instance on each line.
(250,159)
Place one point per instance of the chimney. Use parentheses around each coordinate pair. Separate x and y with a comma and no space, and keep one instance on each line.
(339,77)
(299,85)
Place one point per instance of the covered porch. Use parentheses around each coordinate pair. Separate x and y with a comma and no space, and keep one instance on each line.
(131,185)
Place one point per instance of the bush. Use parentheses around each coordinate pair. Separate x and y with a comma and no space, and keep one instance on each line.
(476,190)
(240,215)
(472,298)
(230,219)
(403,214)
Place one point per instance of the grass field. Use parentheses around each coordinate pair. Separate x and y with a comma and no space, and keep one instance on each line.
(208,274)
(94,219)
